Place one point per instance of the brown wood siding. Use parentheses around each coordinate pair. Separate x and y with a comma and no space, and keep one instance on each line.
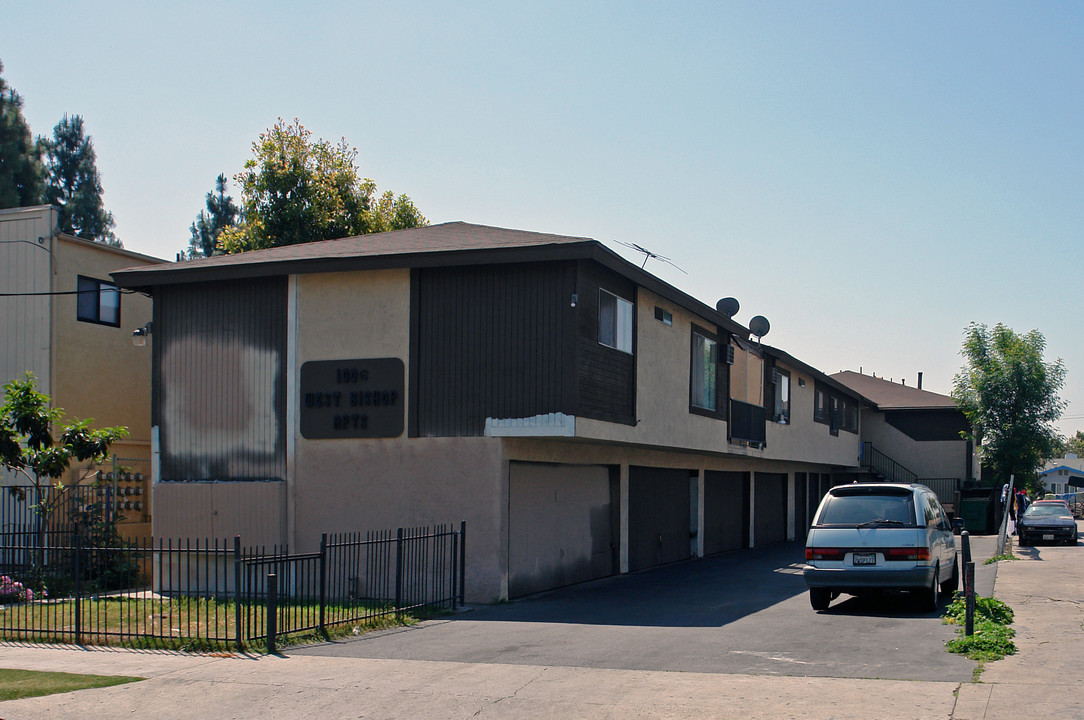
(929,425)
(220,380)
(489,341)
(606,377)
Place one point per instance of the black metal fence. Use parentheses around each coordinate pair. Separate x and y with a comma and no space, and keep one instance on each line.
(206,595)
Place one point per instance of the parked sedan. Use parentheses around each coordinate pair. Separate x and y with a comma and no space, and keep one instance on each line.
(1048,522)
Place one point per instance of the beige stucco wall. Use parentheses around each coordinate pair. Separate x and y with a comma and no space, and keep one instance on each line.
(931,459)
(340,485)
(217,511)
(97,372)
(804,439)
(663,364)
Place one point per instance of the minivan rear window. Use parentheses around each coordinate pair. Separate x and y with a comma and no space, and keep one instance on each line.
(851,509)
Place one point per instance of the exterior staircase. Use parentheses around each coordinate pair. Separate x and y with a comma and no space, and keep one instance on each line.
(883,468)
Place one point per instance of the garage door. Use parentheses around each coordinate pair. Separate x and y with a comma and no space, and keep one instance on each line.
(560,526)
(769,509)
(660,516)
(726,511)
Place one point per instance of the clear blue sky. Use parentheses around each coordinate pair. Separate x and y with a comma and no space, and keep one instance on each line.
(871,176)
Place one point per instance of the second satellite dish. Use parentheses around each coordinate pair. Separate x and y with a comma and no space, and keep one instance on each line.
(759,326)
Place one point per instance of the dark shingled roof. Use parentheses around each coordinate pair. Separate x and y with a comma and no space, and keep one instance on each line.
(444,245)
(893,395)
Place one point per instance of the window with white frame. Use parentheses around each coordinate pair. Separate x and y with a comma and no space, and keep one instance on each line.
(98,302)
(781,396)
(614,321)
(704,373)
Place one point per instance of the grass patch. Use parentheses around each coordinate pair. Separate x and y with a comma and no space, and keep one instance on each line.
(999,558)
(187,624)
(992,639)
(15,684)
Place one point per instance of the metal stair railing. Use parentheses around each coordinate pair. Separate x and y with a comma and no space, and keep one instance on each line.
(880,464)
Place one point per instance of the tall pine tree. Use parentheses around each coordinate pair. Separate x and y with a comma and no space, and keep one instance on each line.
(221,213)
(20,167)
(73,185)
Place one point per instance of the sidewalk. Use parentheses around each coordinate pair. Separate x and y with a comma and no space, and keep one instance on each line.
(1036,683)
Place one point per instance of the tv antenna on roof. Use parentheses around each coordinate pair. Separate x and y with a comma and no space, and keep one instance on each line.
(649,255)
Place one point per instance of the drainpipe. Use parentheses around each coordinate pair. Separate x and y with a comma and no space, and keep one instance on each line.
(920,381)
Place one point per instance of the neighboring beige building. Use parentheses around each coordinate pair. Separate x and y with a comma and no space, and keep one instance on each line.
(582,416)
(63,320)
(913,435)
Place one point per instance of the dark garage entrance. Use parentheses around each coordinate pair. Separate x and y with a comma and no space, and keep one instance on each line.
(660,516)
(726,511)
(770,508)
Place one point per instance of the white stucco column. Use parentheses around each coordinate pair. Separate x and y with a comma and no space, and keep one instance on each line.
(791,503)
(292,409)
(700,513)
(752,509)
(624,530)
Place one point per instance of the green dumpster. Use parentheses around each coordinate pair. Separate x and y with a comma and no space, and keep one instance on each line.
(975,512)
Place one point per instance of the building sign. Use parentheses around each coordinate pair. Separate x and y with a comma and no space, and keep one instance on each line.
(352,398)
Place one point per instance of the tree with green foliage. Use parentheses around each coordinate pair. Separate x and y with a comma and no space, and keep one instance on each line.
(29,448)
(73,185)
(297,190)
(20,165)
(221,213)
(1009,395)
(1073,445)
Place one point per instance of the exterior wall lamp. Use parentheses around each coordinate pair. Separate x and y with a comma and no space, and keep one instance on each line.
(140,335)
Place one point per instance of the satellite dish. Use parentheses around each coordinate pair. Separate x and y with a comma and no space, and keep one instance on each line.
(759,326)
(728,307)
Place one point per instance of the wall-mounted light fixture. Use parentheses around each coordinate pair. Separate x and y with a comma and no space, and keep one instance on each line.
(575,299)
(140,335)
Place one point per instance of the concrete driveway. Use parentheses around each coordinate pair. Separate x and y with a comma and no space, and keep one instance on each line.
(744,612)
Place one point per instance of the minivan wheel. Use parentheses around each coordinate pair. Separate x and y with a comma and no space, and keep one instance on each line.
(931,596)
(819,598)
(950,586)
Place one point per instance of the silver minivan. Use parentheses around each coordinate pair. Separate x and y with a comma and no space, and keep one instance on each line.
(872,537)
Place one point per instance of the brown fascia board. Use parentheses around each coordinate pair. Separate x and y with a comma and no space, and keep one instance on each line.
(819,375)
(146,279)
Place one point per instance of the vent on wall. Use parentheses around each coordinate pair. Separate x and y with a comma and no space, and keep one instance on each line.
(729,354)
(664,316)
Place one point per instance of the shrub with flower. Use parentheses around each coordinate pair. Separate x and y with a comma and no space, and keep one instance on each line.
(14,591)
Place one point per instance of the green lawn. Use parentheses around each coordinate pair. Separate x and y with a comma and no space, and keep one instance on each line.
(16,684)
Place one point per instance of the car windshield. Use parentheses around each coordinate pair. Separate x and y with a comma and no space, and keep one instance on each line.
(1045,510)
(868,509)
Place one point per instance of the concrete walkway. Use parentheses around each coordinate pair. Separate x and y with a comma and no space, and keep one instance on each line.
(1045,588)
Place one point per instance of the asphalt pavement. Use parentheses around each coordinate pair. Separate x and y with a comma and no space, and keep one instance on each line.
(506,672)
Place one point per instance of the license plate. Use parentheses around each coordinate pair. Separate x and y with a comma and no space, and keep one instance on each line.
(1048,537)
(864,558)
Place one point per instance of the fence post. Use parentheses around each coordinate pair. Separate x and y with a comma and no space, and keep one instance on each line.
(398,572)
(969,583)
(323,579)
(462,561)
(78,571)
(272,611)
(237,590)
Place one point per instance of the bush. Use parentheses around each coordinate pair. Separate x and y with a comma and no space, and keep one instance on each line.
(13,591)
(992,639)
(986,608)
